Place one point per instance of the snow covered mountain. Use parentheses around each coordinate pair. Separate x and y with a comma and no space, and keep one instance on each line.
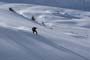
(73,4)
(65,34)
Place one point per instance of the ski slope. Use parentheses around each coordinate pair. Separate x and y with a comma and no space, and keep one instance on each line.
(65,34)
(71,4)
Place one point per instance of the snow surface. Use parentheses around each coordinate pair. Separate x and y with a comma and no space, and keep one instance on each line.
(71,4)
(63,34)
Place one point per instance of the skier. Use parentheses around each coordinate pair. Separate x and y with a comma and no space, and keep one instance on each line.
(11,9)
(33,18)
(43,23)
(34,30)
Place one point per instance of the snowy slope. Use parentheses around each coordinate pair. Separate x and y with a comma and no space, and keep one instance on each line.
(72,4)
(64,36)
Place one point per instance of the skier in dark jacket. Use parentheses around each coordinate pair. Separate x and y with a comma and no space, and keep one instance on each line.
(33,18)
(11,9)
(34,30)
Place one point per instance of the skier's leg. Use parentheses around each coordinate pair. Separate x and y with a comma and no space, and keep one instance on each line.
(33,32)
(36,32)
